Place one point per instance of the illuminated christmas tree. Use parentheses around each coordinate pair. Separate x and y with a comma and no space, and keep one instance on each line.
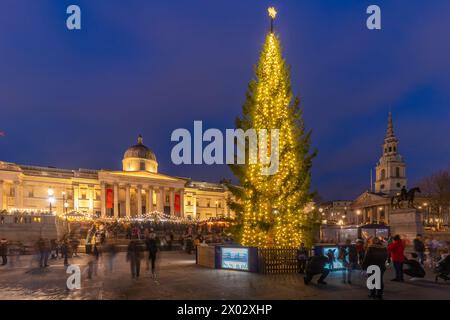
(270,209)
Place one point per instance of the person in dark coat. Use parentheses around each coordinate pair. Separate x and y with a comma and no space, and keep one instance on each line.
(314,266)
(4,251)
(413,268)
(376,254)
(134,257)
(302,258)
(65,252)
(152,248)
(44,249)
(419,248)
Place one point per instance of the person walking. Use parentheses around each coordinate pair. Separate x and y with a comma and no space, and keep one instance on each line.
(4,251)
(419,248)
(302,258)
(397,253)
(74,244)
(189,244)
(93,260)
(376,254)
(65,252)
(111,252)
(152,248)
(44,248)
(360,250)
(349,258)
(134,256)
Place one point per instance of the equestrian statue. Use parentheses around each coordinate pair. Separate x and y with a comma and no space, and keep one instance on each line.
(408,196)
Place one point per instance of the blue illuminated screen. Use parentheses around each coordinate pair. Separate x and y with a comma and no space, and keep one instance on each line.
(235,258)
(333,254)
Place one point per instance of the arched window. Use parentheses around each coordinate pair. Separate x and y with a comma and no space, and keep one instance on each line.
(383,174)
(397,172)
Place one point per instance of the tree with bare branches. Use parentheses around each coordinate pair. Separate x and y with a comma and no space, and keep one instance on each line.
(436,188)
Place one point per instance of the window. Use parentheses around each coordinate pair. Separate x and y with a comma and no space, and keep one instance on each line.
(197,204)
(97,195)
(142,165)
(83,194)
(383,174)
(398,184)
(395,149)
(397,172)
(12,192)
(382,186)
(220,205)
(31,193)
(208,204)
(189,203)
(390,149)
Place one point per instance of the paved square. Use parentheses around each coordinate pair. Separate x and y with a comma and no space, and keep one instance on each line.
(180,278)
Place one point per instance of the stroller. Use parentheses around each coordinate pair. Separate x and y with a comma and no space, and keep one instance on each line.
(442,269)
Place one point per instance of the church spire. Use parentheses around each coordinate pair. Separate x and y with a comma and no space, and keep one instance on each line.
(390,127)
(391,169)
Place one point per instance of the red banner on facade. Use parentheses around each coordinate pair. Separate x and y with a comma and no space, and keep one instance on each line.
(177,204)
(109,198)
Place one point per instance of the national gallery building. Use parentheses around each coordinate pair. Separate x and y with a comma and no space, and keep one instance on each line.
(135,190)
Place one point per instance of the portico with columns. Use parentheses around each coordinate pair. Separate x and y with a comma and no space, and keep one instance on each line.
(134,194)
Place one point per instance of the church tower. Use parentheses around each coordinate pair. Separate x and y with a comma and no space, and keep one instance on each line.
(391,169)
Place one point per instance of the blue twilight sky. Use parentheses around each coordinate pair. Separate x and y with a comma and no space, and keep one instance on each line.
(79,98)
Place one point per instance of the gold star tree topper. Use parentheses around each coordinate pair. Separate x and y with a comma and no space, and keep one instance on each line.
(272,12)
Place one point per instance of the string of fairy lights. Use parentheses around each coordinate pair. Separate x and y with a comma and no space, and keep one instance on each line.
(155,216)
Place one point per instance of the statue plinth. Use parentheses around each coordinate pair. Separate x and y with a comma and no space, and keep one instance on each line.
(406,222)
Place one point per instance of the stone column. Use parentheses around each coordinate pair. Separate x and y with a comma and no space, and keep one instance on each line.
(182,203)
(161,200)
(378,215)
(76,196)
(194,206)
(172,202)
(103,200)
(371,215)
(116,201)
(1,195)
(139,200)
(127,201)
(149,204)
(386,214)
(18,195)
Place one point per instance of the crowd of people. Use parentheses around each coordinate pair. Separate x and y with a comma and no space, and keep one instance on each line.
(383,253)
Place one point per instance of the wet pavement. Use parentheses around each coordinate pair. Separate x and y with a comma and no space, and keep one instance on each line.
(178,277)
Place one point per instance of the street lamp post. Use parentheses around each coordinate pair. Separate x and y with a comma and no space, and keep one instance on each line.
(216,207)
(51,198)
(65,204)
(358,213)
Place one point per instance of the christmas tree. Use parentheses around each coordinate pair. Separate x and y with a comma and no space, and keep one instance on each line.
(270,209)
